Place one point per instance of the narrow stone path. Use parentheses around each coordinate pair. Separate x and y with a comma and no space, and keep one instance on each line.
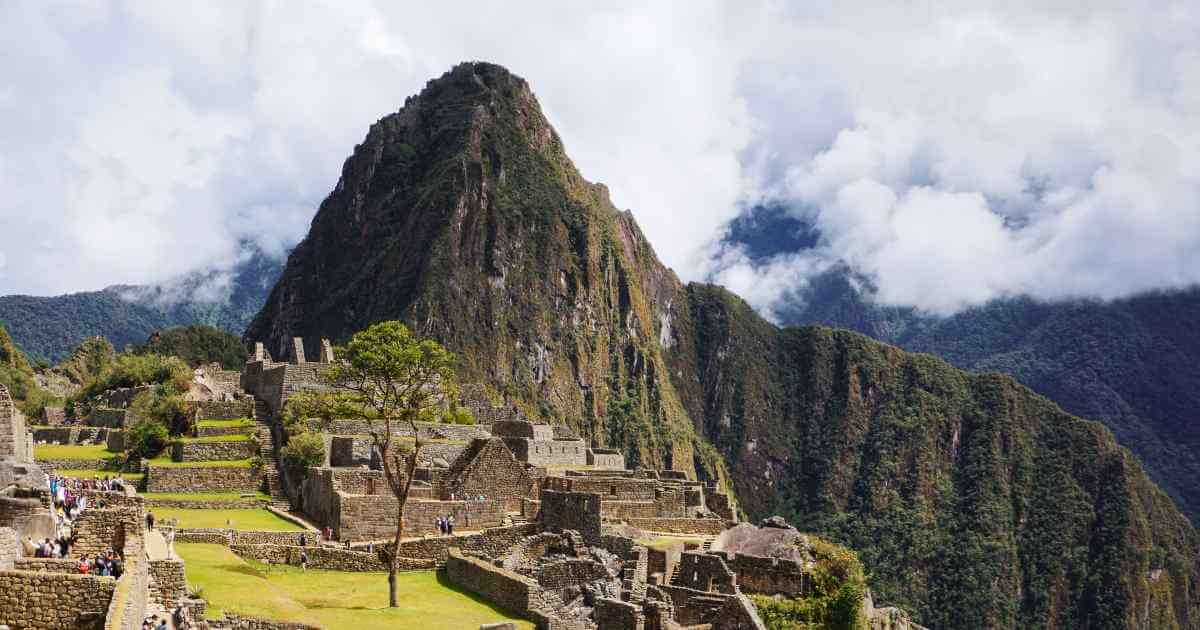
(156,546)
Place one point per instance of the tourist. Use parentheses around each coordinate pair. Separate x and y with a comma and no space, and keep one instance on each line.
(450,526)
(303,560)
(150,521)
(440,525)
(371,547)
(303,541)
(162,625)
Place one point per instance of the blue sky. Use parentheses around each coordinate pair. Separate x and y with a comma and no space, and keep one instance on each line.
(953,157)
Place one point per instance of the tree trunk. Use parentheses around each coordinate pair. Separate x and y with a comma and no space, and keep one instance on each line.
(394,561)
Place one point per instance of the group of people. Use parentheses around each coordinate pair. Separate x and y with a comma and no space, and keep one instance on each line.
(45,548)
(445,524)
(109,564)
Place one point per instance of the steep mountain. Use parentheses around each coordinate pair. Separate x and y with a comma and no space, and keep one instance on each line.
(48,328)
(973,502)
(1133,364)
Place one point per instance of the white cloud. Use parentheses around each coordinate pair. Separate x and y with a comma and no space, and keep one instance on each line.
(149,139)
(980,154)
(951,156)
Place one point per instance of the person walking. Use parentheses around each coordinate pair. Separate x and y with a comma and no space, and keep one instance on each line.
(304,561)
(150,521)
(450,525)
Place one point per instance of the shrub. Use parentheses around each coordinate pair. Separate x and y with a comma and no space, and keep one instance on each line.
(302,451)
(163,406)
(197,345)
(131,370)
(147,439)
(458,415)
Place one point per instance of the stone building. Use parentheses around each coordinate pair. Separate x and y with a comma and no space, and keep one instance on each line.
(16,442)
(536,444)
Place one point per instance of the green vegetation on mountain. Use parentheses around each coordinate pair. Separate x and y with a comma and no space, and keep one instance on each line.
(17,376)
(971,501)
(197,345)
(48,328)
(1132,364)
(835,602)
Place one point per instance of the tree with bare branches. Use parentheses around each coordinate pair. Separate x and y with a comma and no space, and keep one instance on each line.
(386,378)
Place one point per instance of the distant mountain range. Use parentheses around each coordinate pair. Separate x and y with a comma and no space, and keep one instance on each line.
(48,328)
(1133,364)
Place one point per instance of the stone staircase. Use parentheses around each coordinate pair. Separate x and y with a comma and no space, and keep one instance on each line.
(266,441)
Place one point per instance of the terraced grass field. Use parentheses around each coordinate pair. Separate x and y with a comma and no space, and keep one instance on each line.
(245,519)
(71,451)
(332,599)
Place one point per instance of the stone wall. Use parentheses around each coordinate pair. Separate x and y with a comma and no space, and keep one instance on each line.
(614,614)
(54,600)
(331,558)
(231,537)
(548,452)
(167,585)
(249,502)
(493,542)
(224,410)
(202,479)
(77,464)
(705,572)
(10,548)
(511,591)
(115,440)
(46,565)
(240,622)
(70,435)
(769,576)
(348,451)
(98,530)
(131,597)
(212,451)
(28,516)
(579,511)
(428,430)
(487,468)
(367,517)
(106,417)
(605,458)
(15,441)
(701,526)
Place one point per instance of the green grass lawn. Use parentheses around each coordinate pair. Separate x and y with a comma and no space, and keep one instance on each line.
(662,542)
(332,599)
(166,462)
(151,497)
(215,438)
(225,424)
(99,474)
(245,519)
(71,451)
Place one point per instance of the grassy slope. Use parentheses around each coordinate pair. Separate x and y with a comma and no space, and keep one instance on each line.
(331,599)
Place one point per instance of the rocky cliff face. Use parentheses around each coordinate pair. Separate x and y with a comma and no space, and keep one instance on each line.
(973,502)
(462,215)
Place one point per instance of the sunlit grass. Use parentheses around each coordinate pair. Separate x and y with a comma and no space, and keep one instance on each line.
(332,599)
(244,519)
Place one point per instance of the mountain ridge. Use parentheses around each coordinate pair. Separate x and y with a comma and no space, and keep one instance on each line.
(462,215)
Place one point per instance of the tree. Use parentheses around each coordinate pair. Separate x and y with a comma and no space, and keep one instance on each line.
(387,378)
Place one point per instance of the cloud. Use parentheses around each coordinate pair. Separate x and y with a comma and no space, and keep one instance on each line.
(146,140)
(972,155)
(949,156)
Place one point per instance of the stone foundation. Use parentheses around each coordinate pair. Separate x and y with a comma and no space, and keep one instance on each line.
(212,451)
(51,600)
(202,479)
